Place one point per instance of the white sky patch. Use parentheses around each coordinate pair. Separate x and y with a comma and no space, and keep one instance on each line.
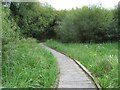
(69,4)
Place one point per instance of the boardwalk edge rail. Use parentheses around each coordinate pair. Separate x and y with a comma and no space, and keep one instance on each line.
(88,73)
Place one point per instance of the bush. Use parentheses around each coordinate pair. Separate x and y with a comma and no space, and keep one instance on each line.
(88,24)
(35,19)
(10,29)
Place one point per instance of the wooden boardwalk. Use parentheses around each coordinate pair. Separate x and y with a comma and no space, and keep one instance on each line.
(71,75)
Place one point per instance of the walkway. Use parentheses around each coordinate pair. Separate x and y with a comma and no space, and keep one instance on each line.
(71,75)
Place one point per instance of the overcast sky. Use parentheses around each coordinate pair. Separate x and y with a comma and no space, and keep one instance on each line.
(68,4)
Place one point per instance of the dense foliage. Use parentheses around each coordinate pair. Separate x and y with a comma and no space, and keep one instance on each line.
(89,24)
(35,19)
(24,62)
(86,24)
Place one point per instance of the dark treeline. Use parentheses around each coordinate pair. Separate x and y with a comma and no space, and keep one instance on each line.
(86,24)
(35,19)
(89,24)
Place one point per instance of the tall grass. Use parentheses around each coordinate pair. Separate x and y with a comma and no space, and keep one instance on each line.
(100,59)
(26,64)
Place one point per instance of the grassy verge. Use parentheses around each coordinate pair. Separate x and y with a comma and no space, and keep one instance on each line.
(26,64)
(100,59)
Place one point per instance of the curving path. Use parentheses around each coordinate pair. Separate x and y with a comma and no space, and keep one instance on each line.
(71,75)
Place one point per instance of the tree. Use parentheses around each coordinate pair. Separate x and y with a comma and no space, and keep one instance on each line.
(88,24)
(35,19)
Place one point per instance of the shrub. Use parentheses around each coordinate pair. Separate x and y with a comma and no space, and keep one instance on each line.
(35,19)
(88,24)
